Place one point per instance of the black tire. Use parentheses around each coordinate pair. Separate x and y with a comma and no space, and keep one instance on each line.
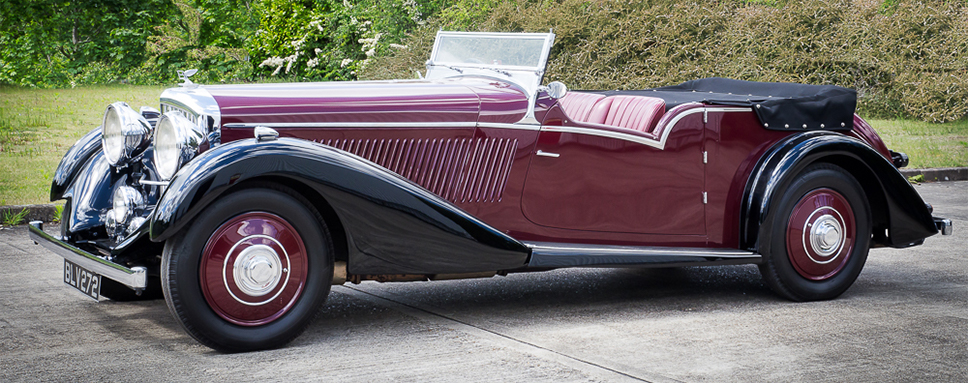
(222,321)
(804,258)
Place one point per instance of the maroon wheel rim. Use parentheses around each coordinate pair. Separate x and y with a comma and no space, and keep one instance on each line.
(253,269)
(820,234)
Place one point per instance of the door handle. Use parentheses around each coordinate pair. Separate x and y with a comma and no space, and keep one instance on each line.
(547,154)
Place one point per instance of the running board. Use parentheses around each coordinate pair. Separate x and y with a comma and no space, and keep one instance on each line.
(548,254)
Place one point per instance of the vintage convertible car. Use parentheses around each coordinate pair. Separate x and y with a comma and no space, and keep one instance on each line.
(243,204)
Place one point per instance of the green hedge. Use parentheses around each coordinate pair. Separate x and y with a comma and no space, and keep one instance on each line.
(905,58)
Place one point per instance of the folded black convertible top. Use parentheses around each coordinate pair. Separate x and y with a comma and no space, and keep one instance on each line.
(779,106)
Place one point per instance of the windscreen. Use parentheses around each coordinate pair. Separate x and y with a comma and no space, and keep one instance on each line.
(511,51)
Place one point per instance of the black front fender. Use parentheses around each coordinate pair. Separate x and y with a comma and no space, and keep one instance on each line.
(90,194)
(392,225)
(73,161)
(905,216)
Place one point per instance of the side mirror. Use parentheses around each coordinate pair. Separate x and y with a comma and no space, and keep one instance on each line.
(557,90)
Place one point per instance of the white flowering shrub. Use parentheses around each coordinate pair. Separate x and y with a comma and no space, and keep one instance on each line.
(331,39)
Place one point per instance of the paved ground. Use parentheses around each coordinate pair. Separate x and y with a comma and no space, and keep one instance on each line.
(905,319)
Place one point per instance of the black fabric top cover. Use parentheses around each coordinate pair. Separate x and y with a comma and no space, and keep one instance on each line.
(779,106)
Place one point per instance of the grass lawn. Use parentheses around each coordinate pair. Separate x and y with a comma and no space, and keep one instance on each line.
(928,145)
(38,126)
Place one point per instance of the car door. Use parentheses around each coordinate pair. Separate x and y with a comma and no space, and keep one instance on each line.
(598,178)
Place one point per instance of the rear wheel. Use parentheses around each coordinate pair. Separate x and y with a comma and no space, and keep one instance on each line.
(251,271)
(816,237)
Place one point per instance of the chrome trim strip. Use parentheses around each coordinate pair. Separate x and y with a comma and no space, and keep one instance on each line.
(356,125)
(144,180)
(544,254)
(495,125)
(572,249)
(491,125)
(729,109)
(658,144)
(135,277)
(668,127)
(155,183)
(604,133)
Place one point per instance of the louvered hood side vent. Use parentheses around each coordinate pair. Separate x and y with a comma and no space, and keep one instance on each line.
(464,170)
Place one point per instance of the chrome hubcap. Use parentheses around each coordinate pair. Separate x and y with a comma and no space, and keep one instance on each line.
(825,235)
(258,270)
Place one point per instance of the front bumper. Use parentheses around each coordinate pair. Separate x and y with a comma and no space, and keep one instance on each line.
(135,277)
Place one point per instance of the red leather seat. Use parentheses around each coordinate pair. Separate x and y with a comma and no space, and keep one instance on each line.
(579,105)
(635,112)
(631,112)
(600,111)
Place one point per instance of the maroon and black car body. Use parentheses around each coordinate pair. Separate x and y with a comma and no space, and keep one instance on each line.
(243,204)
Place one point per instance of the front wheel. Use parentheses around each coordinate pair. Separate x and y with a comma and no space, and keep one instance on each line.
(250,272)
(816,236)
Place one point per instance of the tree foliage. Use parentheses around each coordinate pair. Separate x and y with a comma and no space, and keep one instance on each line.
(331,39)
(54,42)
(146,41)
(208,35)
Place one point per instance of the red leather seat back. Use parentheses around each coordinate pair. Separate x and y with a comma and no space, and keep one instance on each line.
(600,111)
(579,105)
(630,112)
(635,112)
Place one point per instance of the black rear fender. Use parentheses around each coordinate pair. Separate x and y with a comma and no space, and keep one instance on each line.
(900,216)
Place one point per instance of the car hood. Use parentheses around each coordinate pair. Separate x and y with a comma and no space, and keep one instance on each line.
(416,101)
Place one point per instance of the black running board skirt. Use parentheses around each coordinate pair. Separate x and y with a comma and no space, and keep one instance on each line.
(548,254)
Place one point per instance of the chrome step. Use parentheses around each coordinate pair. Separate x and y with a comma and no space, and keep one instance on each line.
(547,254)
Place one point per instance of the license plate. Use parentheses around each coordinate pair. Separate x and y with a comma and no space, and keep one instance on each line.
(82,279)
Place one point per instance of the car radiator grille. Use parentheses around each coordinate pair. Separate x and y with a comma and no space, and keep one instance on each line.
(165,108)
(459,170)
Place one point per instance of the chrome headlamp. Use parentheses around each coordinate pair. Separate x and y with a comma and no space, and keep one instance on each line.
(127,201)
(125,133)
(126,216)
(176,142)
